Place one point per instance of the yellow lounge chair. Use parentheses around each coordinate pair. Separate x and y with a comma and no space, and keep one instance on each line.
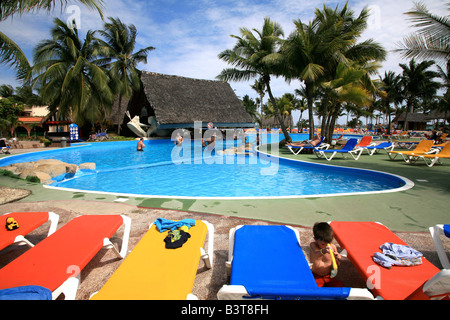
(440,145)
(423,147)
(433,158)
(152,272)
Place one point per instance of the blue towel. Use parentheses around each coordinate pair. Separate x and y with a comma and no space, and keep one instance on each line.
(165,224)
(26,293)
(397,255)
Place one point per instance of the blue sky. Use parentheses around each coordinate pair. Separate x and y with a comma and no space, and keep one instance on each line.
(188,35)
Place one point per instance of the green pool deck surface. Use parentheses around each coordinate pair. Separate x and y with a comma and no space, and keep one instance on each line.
(415,210)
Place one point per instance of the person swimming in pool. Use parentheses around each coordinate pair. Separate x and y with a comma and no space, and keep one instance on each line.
(140,145)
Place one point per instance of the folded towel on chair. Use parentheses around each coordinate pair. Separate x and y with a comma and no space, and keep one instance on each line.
(397,255)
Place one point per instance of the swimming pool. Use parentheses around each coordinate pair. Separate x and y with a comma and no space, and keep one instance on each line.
(166,171)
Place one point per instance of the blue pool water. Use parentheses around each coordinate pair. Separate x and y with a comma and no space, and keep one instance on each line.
(168,171)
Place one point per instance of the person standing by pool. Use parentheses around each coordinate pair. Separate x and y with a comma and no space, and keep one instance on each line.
(140,145)
(258,139)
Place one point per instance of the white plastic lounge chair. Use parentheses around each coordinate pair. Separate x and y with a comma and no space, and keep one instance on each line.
(423,147)
(55,263)
(387,146)
(348,148)
(27,221)
(365,142)
(406,144)
(436,232)
(432,159)
(267,262)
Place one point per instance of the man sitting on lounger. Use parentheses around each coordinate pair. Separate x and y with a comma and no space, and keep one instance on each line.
(307,143)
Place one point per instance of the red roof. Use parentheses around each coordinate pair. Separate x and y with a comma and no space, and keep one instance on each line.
(30,119)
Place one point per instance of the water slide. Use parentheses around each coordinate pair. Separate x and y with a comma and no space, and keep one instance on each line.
(140,129)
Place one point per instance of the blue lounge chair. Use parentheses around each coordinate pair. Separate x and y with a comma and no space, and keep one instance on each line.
(267,262)
(387,146)
(297,149)
(348,148)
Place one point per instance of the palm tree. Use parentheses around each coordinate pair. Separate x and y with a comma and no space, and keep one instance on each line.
(391,86)
(6,90)
(418,85)
(444,103)
(250,106)
(69,78)
(346,87)
(10,52)
(432,40)
(301,104)
(313,51)
(303,51)
(286,104)
(256,56)
(122,62)
(259,87)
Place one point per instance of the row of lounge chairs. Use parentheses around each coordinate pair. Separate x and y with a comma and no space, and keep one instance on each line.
(264,262)
(51,268)
(424,150)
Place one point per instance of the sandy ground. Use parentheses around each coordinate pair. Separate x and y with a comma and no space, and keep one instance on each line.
(208,281)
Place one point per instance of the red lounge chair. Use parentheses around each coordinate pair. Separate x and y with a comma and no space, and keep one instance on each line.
(55,262)
(363,239)
(365,142)
(27,221)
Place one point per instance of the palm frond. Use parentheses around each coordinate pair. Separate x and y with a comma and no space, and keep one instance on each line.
(423,48)
(11,7)
(233,74)
(312,72)
(432,38)
(429,24)
(14,57)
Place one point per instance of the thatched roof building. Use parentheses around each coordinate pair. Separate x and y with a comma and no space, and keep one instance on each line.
(418,121)
(176,102)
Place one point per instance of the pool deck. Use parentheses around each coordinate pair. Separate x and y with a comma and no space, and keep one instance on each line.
(413,210)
